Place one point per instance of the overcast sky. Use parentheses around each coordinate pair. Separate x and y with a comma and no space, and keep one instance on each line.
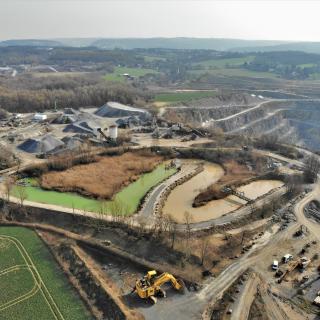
(255,19)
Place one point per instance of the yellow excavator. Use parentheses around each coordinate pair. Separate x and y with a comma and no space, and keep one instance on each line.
(149,287)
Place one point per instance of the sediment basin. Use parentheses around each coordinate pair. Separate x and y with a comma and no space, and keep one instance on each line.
(181,198)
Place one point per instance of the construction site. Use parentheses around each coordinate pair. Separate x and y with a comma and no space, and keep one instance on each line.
(154,216)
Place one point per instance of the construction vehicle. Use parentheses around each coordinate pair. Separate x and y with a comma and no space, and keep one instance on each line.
(103,134)
(302,264)
(292,266)
(149,287)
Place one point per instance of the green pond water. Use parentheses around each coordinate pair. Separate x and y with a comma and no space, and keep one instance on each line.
(127,199)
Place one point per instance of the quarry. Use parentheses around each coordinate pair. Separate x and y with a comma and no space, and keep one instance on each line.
(197,194)
(159,198)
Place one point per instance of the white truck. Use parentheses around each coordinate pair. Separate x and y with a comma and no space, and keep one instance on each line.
(275,265)
(287,257)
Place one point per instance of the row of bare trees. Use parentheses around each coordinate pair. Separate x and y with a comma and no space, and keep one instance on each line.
(311,169)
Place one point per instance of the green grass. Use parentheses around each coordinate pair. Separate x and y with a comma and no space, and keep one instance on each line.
(229,68)
(307,65)
(153,58)
(35,307)
(174,97)
(235,72)
(22,276)
(129,197)
(222,63)
(315,76)
(117,75)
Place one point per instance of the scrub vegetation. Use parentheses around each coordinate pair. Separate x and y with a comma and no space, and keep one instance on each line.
(101,179)
(124,202)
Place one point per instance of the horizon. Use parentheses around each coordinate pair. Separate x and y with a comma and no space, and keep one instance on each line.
(203,19)
(158,37)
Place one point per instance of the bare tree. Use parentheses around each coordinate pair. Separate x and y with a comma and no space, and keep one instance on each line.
(188,220)
(22,194)
(158,225)
(142,224)
(172,229)
(204,245)
(311,169)
(8,186)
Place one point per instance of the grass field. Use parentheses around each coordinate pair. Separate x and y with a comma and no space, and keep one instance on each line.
(153,58)
(117,75)
(222,63)
(235,72)
(229,68)
(175,97)
(307,65)
(32,285)
(129,197)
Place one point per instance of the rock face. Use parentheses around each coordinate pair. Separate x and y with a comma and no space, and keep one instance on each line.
(118,110)
(44,144)
(294,121)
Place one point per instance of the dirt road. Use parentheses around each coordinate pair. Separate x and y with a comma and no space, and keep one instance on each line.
(241,308)
(148,208)
(191,306)
(313,227)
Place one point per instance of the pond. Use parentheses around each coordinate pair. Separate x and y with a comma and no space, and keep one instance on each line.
(127,200)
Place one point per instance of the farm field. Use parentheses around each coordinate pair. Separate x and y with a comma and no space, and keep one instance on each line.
(222,63)
(129,197)
(116,76)
(32,286)
(58,74)
(153,58)
(234,72)
(176,97)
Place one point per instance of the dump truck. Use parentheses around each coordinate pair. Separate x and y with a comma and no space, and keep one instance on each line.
(149,287)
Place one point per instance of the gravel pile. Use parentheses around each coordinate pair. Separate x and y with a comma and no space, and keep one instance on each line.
(44,144)
(118,110)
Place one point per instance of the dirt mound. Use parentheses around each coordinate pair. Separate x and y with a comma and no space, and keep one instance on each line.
(44,144)
(118,110)
(73,142)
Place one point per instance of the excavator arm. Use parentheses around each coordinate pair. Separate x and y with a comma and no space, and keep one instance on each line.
(166,277)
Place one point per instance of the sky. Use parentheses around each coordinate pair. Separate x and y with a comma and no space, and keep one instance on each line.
(251,19)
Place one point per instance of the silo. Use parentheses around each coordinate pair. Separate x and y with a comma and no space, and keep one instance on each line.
(113,132)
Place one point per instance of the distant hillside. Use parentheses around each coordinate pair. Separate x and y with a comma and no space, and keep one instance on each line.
(31,43)
(172,43)
(309,47)
(180,43)
(145,43)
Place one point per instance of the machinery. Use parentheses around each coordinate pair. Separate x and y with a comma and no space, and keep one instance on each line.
(103,134)
(149,287)
(302,263)
(292,266)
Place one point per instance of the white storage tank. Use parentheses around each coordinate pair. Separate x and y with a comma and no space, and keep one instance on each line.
(113,132)
(40,117)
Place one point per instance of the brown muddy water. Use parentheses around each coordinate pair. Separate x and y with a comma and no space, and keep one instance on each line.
(181,198)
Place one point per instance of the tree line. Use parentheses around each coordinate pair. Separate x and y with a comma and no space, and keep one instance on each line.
(48,93)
